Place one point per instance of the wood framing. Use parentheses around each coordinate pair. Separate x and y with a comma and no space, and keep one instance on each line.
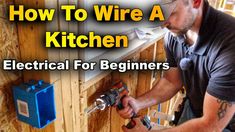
(66,83)
(72,94)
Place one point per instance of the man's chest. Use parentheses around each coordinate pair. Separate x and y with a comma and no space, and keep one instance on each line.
(197,75)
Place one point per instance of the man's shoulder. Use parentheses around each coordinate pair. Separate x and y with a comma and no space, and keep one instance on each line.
(222,40)
(225,24)
(223,34)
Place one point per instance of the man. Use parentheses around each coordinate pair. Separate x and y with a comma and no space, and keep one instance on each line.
(200,49)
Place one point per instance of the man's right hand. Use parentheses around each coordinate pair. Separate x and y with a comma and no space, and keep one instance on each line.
(130,105)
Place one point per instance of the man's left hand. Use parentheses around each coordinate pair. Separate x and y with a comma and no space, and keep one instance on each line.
(139,127)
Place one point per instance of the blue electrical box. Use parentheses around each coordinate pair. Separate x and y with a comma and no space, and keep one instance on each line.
(34,102)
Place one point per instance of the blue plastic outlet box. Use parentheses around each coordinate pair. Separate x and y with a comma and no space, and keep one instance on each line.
(34,102)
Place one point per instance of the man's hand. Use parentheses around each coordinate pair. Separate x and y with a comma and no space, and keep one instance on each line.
(130,106)
(165,89)
(139,127)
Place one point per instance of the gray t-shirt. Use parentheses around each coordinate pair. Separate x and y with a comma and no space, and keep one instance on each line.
(213,57)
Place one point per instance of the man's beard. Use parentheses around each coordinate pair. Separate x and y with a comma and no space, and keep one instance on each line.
(188,23)
(177,32)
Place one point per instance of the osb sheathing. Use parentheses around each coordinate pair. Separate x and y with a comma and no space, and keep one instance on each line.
(8,121)
(9,49)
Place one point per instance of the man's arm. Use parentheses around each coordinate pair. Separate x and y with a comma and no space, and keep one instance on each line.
(165,89)
(216,115)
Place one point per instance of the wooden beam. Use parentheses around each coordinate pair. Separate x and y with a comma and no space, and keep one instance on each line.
(59,122)
(145,77)
(31,36)
(32,47)
(83,116)
(75,94)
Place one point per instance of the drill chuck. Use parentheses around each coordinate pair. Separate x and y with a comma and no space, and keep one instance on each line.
(101,105)
(111,97)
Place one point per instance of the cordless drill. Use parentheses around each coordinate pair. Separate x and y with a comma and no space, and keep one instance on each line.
(113,97)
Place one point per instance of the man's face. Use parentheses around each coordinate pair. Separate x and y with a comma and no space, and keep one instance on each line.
(182,18)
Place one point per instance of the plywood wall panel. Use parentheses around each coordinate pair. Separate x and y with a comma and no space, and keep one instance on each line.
(8,120)
(9,49)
